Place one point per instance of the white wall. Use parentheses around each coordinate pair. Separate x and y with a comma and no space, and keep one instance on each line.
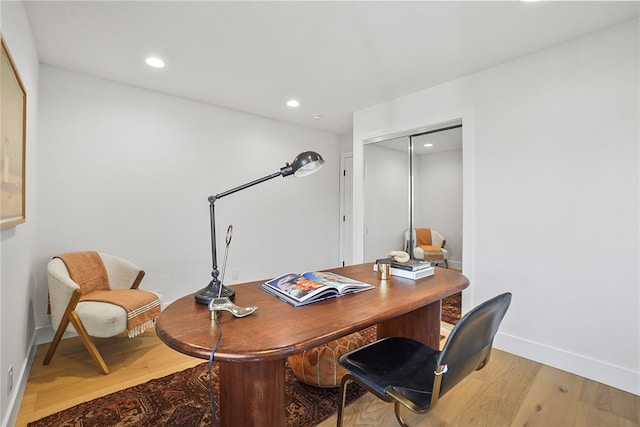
(18,244)
(128,171)
(346,143)
(438,198)
(551,195)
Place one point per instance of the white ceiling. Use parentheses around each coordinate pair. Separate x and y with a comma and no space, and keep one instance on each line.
(335,57)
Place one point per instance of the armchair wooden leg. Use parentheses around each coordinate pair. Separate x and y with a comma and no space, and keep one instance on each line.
(86,340)
(70,315)
(71,306)
(56,340)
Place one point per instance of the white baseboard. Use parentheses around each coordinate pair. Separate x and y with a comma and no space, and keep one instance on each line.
(456,265)
(596,370)
(43,335)
(15,399)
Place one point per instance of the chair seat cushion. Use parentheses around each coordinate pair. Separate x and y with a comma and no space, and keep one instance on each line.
(434,251)
(319,366)
(101,319)
(402,363)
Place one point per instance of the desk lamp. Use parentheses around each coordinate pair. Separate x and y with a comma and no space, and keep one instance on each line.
(304,164)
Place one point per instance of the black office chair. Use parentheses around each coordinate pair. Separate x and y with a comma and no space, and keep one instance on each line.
(414,375)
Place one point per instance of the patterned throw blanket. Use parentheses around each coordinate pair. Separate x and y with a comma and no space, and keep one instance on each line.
(423,240)
(89,272)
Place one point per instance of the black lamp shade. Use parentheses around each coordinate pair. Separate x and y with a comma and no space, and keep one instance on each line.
(304,164)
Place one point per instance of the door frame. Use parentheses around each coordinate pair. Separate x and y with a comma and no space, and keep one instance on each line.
(346,198)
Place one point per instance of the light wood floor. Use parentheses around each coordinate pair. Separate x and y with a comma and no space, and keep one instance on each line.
(510,391)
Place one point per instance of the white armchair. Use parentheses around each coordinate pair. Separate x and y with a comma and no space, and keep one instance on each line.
(428,244)
(89,318)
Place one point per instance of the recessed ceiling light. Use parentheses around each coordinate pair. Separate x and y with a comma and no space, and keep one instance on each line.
(154,62)
(293,103)
(428,145)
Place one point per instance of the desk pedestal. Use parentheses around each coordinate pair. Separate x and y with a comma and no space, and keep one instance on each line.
(252,394)
(422,325)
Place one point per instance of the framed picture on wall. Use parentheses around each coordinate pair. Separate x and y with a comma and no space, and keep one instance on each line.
(13,116)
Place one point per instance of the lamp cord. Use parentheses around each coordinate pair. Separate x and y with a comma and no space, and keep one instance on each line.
(211,393)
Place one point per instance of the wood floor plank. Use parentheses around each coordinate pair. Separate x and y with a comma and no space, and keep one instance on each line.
(589,415)
(552,399)
(453,409)
(611,400)
(505,383)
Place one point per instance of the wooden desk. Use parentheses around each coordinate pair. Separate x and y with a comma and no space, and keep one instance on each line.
(253,349)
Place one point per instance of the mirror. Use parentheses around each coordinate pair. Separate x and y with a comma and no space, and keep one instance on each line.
(423,188)
(386,196)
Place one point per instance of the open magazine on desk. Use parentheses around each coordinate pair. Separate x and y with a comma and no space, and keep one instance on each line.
(300,289)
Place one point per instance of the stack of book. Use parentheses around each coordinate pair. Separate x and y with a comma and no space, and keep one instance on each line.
(412,269)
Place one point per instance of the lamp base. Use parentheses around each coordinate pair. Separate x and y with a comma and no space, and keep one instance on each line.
(205,295)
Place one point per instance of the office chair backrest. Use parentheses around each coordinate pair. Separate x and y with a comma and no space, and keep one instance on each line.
(469,345)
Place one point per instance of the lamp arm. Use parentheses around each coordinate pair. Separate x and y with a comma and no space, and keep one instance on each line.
(304,164)
(212,199)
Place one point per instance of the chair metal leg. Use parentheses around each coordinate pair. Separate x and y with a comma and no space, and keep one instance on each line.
(343,398)
(396,409)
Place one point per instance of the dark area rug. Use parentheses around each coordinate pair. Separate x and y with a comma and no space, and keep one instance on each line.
(452,308)
(182,399)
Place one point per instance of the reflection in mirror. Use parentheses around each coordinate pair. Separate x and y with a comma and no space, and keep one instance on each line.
(437,192)
(438,188)
(386,196)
